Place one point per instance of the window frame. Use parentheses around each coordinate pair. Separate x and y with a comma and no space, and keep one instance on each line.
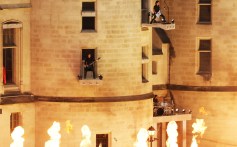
(16,55)
(201,4)
(199,72)
(145,63)
(154,67)
(108,139)
(15,120)
(93,52)
(86,14)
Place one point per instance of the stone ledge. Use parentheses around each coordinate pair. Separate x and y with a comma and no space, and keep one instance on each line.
(164,26)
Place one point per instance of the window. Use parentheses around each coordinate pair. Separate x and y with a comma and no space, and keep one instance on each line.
(15,120)
(102,140)
(144,52)
(204,53)
(88,16)
(11,52)
(89,66)
(204,11)
(145,61)
(144,73)
(154,67)
(144,13)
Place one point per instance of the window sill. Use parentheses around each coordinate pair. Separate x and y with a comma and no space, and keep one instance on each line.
(91,82)
(204,23)
(11,89)
(203,73)
(88,31)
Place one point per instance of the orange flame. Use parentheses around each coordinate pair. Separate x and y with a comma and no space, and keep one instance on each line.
(54,134)
(16,135)
(142,137)
(172,134)
(198,129)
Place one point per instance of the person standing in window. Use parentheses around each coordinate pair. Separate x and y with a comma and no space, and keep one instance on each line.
(89,65)
(157,13)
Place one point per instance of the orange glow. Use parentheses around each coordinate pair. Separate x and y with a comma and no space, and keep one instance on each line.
(172,134)
(16,135)
(198,129)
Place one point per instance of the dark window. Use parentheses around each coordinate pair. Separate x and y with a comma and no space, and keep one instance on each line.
(88,6)
(144,13)
(8,55)
(205,62)
(8,65)
(154,67)
(88,23)
(102,140)
(205,45)
(205,1)
(15,120)
(8,37)
(204,11)
(204,56)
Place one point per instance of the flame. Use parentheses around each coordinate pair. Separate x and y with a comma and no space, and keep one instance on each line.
(142,137)
(16,135)
(54,134)
(86,136)
(68,126)
(198,129)
(194,141)
(172,134)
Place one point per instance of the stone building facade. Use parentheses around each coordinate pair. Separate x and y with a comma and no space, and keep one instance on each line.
(51,38)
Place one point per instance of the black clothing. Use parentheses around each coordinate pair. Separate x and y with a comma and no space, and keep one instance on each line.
(156,9)
(89,66)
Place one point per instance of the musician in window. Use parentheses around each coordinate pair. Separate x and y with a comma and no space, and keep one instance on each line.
(157,13)
(89,65)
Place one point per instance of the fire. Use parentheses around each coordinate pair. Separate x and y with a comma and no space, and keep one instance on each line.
(198,129)
(86,136)
(16,135)
(194,141)
(172,134)
(142,137)
(54,134)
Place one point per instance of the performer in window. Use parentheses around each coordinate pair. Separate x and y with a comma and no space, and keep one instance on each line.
(89,65)
(157,13)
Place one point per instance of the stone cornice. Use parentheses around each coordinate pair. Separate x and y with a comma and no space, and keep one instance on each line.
(195,88)
(29,98)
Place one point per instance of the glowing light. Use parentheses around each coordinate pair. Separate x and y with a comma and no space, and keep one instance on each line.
(86,136)
(142,137)
(16,135)
(203,111)
(198,129)
(100,145)
(54,134)
(172,134)
(194,141)
(68,126)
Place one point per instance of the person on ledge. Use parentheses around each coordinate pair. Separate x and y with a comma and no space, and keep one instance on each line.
(89,65)
(157,13)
